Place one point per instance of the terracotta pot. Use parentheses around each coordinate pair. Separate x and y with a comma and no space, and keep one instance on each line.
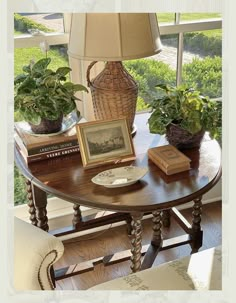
(47,126)
(183,139)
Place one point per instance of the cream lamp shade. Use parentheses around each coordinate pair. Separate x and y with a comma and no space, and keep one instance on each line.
(113,37)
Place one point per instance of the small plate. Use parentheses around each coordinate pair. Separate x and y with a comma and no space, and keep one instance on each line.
(119,177)
(68,122)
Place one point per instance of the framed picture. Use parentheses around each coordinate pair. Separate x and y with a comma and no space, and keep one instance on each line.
(105,141)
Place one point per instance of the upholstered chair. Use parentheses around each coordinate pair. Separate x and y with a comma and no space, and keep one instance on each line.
(35,252)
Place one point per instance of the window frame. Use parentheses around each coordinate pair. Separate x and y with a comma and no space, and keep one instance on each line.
(179,28)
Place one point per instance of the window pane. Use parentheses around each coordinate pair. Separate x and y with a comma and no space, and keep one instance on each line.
(204,70)
(28,23)
(149,72)
(58,54)
(198,16)
(166,17)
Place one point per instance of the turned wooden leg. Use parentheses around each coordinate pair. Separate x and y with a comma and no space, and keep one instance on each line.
(136,241)
(40,202)
(156,221)
(166,218)
(32,210)
(128,220)
(156,242)
(77,218)
(196,232)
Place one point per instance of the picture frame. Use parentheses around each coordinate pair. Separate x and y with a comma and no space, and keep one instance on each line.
(105,141)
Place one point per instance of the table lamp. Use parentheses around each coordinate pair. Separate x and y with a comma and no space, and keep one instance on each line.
(113,37)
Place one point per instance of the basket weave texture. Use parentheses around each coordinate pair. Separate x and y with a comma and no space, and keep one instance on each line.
(114,93)
(183,139)
(47,126)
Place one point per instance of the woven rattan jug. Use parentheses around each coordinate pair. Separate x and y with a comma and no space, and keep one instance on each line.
(113,96)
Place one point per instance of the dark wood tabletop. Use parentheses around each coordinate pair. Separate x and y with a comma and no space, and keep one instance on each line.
(66,178)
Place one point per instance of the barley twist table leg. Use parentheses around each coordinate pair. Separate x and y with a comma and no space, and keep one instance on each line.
(136,241)
(40,202)
(157,224)
(166,218)
(196,232)
(32,210)
(128,224)
(77,218)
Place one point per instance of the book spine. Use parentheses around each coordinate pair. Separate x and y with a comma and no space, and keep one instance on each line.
(52,147)
(48,155)
(156,159)
(159,164)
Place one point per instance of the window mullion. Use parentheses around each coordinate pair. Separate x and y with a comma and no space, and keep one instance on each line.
(180,48)
(25,41)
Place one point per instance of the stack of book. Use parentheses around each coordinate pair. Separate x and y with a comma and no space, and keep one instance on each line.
(35,148)
(169,159)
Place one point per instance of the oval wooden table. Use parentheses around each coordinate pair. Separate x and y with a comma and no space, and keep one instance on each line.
(156,192)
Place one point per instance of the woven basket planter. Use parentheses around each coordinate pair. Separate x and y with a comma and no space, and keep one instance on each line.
(183,139)
(114,93)
(47,126)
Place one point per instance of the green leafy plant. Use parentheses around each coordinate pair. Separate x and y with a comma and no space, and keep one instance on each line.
(41,93)
(185,107)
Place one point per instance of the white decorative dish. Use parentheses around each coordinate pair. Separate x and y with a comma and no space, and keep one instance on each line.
(119,177)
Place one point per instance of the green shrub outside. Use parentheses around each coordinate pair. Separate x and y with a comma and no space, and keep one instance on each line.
(23,24)
(20,194)
(202,43)
(147,73)
(204,75)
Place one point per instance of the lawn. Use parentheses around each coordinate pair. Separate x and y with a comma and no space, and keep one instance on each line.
(170,17)
(24,55)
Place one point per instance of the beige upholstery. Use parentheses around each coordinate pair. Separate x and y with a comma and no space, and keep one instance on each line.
(35,251)
(200,271)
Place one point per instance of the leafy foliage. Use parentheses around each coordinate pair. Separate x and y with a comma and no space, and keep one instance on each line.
(205,75)
(207,43)
(147,72)
(44,93)
(184,106)
(20,193)
(24,24)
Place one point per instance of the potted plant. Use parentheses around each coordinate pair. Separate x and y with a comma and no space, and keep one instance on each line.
(184,115)
(43,96)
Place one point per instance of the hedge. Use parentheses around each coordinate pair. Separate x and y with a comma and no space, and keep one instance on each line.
(23,24)
(148,73)
(205,75)
(201,43)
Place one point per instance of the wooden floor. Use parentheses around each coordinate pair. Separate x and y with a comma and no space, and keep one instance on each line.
(116,239)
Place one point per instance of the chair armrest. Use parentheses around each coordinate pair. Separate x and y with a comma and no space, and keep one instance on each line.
(35,251)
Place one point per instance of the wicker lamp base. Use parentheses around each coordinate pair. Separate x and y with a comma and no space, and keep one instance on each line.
(114,93)
(181,138)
